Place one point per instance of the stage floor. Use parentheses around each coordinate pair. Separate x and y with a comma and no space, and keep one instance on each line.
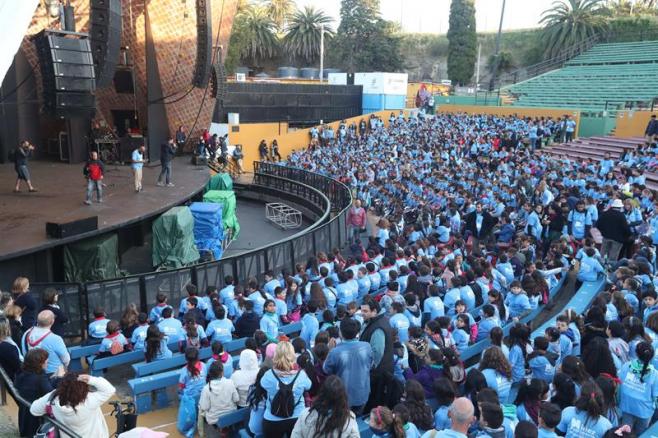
(62,187)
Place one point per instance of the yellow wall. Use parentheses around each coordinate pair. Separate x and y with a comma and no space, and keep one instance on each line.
(511,110)
(632,123)
(251,134)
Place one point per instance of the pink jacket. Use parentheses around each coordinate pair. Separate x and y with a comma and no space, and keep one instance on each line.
(356,217)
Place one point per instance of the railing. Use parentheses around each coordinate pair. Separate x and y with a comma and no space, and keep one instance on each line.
(7,385)
(316,192)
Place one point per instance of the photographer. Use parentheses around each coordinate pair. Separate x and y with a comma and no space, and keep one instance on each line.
(21,155)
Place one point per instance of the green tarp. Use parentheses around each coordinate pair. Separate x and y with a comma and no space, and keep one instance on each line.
(173,239)
(220,181)
(92,259)
(229,218)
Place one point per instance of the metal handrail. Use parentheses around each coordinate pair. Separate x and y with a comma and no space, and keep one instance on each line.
(7,383)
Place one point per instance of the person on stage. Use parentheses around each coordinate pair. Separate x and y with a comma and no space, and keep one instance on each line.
(137,165)
(167,153)
(22,154)
(94,171)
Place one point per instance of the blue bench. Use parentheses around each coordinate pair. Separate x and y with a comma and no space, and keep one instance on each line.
(102,363)
(651,432)
(80,351)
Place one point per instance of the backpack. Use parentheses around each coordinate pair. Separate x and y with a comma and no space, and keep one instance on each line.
(283,403)
(47,429)
(116,347)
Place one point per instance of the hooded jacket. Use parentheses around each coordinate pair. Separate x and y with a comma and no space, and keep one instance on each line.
(87,419)
(218,397)
(244,377)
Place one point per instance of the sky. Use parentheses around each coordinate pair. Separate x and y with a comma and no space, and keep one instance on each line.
(431,16)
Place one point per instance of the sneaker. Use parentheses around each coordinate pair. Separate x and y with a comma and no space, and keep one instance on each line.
(159,184)
(170,185)
(87,202)
(100,201)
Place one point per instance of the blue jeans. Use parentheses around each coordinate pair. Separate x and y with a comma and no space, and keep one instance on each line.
(165,173)
(97,186)
(638,425)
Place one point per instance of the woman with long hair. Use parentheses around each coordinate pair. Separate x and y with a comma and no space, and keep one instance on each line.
(574,367)
(129,320)
(256,403)
(587,417)
(156,346)
(519,349)
(598,358)
(329,414)
(383,423)
(31,383)
(497,371)
(75,405)
(277,420)
(10,356)
(564,390)
(529,399)
(609,386)
(420,412)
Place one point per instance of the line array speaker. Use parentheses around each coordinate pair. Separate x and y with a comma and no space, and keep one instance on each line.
(203,44)
(105,35)
(67,73)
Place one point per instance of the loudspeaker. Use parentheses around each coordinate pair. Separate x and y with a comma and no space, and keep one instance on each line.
(203,44)
(73,228)
(123,81)
(105,34)
(67,73)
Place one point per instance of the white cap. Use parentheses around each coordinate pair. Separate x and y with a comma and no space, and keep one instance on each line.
(617,204)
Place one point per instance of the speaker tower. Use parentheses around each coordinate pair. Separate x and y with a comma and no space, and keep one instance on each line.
(105,34)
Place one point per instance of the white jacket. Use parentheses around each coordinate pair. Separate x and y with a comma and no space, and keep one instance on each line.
(305,427)
(218,397)
(246,375)
(87,420)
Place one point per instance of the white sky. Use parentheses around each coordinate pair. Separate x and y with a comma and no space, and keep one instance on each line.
(431,16)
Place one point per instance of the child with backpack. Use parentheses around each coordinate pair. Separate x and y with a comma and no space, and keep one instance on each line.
(114,342)
(194,336)
(219,355)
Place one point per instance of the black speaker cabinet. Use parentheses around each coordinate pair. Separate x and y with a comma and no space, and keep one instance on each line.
(105,34)
(203,44)
(73,228)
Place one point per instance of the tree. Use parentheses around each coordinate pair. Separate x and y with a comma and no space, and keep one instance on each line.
(619,8)
(462,40)
(358,25)
(569,22)
(505,62)
(303,33)
(258,33)
(280,11)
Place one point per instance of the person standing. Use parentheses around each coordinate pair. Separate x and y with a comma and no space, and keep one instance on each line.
(262,150)
(378,333)
(41,336)
(49,302)
(137,165)
(615,230)
(570,129)
(21,155)
(94,171)
(480,224)
(356,219)
(652,130)
(351,360)
(167,153)
(181,137)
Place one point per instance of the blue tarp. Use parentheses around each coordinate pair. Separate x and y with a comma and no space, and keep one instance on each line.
(208,227)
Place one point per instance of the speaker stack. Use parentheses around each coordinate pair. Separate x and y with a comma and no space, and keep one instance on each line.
(203,65)
(105,34)
(67,71)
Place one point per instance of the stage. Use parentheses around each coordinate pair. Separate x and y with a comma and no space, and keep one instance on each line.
(61,192)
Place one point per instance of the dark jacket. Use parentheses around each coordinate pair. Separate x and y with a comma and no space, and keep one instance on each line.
(652,127)
(21,156)
(30,386)
(9,359)
(426,377)
(488,223)
(381,322)
(167,152)
(247,324)
(29,306)
(613,225)
(60,320)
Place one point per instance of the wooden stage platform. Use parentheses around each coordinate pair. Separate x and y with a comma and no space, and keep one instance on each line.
(62,187)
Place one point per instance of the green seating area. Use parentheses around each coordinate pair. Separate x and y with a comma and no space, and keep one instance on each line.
(612,74)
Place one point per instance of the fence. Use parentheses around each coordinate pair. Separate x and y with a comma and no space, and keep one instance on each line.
(321,194)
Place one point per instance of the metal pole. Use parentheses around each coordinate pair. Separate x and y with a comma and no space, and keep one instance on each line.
(321,52)
(492,83)
(477,69)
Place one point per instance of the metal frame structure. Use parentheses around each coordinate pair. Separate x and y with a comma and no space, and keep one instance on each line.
(283,215)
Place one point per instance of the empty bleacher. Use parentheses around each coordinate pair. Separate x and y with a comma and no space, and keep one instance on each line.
(608,76)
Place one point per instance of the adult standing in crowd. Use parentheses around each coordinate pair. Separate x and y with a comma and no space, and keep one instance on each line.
(76,403)
(378,333)
(351,360)
(10,357)
(480,224)
(262,150)
(49,302)
(167,153)
(615,231)
(356,220)
(20,290)
(32,383)
(651,131)
(137,166)
(21,156)
(41,336)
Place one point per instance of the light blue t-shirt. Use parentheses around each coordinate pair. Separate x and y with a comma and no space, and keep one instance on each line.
(139,337)
(636,397)
(271,385)
(137,156)
(498,383)
(576,424)
(220,330)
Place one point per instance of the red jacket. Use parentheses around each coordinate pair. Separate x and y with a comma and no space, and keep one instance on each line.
(94,170)
(356,217)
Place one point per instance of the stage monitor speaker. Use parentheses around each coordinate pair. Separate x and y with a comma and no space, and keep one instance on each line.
(203,44)
(105,33)
(67,73)
(73,228)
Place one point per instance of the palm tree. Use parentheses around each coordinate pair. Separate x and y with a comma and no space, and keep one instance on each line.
(259,30)
(303,33)
(280,11)
(569,22)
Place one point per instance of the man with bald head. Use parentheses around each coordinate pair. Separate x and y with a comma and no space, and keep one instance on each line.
(461,414)
(40,336)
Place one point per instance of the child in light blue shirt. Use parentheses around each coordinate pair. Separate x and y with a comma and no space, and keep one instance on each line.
(98,327)
(139,334)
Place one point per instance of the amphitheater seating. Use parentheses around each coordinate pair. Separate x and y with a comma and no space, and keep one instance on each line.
(606,76)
